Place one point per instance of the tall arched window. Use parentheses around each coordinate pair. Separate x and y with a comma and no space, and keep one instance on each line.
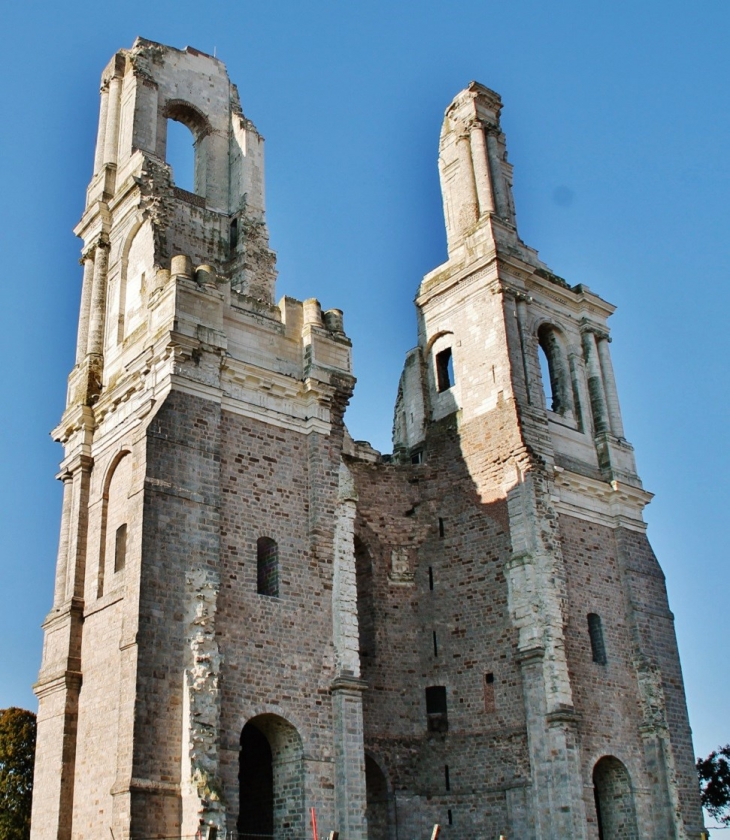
(267,567)
(595,632)
(557,385)
(181,155)
(115,517)
(186,146)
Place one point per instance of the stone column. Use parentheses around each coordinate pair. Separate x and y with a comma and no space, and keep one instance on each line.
(59,594)
(467,200)
(609,384)
(97,313)
(481,169)
(595,382)
(101,133)
(495,164)
(111,133)
(82,336)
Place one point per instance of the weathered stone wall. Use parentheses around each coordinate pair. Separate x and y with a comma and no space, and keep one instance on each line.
(432,514)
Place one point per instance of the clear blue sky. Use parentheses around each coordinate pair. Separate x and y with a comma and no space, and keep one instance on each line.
(618,125)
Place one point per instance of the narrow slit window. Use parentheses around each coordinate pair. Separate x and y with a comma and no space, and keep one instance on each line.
(489,703)
(436,710)
(441,528)
(120,548)
(450,817)
(447,780)
(267,567)
(595,632)
(430,577)
(444,370)
(234,236)
(435,644)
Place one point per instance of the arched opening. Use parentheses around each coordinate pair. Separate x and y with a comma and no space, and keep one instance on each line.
(614,798)
(554,371)
(256,777)
(186,146)
(181,154)
(378,801)
(137,261)
(115,515)
(267,567)
(271,780)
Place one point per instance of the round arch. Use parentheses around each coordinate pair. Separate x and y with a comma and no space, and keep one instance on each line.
(271,779)
(614,797)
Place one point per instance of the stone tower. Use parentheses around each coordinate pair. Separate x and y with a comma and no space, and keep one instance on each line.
(255,616)
(202,582)
(522,669)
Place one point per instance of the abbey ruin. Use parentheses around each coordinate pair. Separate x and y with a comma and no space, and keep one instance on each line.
(256,616)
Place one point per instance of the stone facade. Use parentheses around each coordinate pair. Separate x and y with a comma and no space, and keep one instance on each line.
(256,617)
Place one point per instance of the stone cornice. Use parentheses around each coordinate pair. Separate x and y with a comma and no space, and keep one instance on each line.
(613,504)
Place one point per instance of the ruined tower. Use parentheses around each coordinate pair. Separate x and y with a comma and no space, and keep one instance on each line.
(504,555)
(255,616)
(200,582)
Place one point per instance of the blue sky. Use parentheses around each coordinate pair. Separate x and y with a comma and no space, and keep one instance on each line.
(617,123)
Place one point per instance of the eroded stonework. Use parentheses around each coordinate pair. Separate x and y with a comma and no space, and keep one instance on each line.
(255,617)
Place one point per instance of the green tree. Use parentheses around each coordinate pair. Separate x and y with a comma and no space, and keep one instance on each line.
(17,751)
(714,773)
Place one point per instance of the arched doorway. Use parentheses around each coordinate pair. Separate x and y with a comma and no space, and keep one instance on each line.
(614,800)
(271,780)
(378,801)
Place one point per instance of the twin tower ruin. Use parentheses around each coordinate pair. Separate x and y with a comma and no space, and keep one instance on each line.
(254,615)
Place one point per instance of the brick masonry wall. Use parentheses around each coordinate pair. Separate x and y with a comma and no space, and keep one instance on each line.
(278,653)
(485,748)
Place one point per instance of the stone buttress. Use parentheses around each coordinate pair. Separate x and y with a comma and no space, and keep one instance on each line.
(204,586)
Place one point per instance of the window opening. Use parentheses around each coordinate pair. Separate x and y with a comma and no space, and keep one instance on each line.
(180,155)
(417,456)
(554,371)
(545,375)
(447,781)
(267,567)
(450,817)
(234,235)
(489,704)
(120,548)
(444,370)
(436,708)
(595,632)
(441,527)
(435,645)
(430,577)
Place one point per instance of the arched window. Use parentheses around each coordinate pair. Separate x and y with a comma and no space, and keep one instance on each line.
(267,567)
(554,369)
(614,799)
(186,146)
(181,154)
(444,370)
(595,632)
(115,516)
